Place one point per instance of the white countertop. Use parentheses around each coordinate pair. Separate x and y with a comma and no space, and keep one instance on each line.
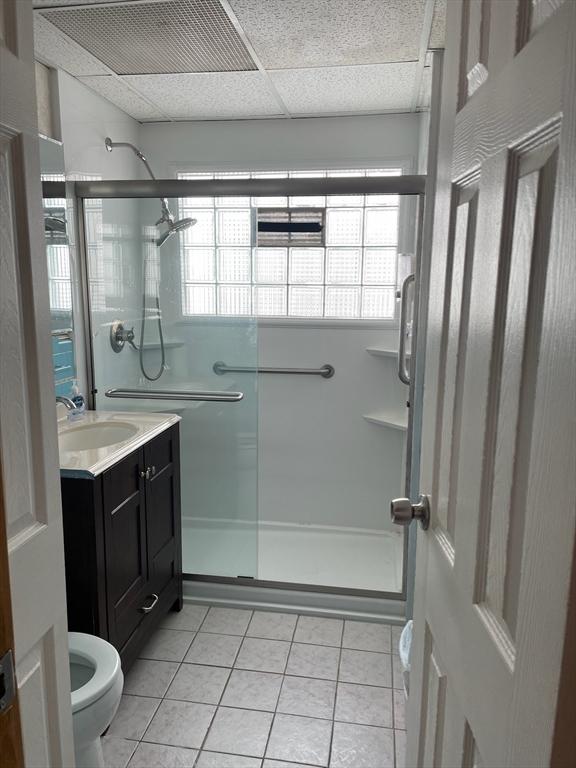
(92,462)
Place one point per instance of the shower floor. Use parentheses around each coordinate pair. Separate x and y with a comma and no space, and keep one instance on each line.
(319,555)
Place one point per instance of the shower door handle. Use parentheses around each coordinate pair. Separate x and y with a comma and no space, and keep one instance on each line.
(403,372)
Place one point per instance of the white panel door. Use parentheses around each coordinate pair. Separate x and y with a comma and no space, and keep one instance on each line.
(498,451)
(28,441)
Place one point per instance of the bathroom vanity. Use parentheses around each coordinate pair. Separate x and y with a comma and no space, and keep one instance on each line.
(122,529)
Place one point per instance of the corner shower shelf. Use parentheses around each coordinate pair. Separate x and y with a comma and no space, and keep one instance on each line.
(382,352)
(389,417)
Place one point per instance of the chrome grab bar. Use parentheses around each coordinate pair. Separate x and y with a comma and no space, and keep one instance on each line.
(403,372)
(326,371)
(212,396)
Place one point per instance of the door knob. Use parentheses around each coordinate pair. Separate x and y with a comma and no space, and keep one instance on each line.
(402,511)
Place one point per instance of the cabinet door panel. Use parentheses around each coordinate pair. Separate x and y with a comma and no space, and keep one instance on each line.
(126,561)
(163,510)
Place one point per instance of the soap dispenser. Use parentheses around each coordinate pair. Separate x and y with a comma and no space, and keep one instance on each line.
(78,399)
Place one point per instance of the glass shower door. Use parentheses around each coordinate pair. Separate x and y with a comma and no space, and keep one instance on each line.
(171,286)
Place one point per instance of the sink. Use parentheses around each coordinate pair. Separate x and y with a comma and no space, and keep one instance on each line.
(91,436)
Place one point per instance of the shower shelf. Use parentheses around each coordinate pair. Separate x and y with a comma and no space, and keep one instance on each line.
(382,352)
(167,345)
(389,417)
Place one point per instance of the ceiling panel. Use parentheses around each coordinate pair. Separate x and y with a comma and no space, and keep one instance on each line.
(56,49)
(290,34)
(113,89)
(153,37)
(208,96)
(369,88)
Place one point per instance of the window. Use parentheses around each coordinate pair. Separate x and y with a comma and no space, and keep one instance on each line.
(353,276)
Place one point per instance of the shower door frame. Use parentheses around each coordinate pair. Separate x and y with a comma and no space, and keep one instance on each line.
(406,185)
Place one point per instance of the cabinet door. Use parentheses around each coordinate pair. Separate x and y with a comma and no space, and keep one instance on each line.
(125,534)
(163,511)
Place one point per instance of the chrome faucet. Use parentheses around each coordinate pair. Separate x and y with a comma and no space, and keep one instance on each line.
(67,402)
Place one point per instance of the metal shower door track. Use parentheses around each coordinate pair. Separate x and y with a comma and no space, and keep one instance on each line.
(372,185)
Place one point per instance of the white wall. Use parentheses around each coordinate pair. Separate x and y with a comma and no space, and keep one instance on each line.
(252,144)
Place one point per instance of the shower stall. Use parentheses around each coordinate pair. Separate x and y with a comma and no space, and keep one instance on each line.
(176,324)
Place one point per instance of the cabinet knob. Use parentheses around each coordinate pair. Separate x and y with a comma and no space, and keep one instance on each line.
(153,468)
(145,473)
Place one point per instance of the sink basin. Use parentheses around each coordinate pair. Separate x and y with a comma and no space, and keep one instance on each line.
(91,436)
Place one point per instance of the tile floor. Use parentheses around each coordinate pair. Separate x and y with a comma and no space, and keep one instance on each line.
(231,688)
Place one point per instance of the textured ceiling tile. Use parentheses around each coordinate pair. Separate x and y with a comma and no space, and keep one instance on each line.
(118,93)
(438,32)
(209,95)
(289,34)
(375,87)
(51,46)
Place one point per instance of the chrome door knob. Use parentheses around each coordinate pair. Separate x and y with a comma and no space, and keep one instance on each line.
(402,511)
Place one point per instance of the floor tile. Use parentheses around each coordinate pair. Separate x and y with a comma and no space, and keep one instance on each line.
(399,710)
(220,760)
(150,678)
(307,696)
(180,724)
(313,661)
(239,732)
(396,632)
(313,629)
(367,636)
(364,705)
(365,667)
(362,746)
(400,739)
(272,626)
(263,655)
(117,752)
(397,673)
(156,755)
(252,690)
(218,650)
(227,621)
(282,764)
(167,645)
(300,739)
(190,617)
(133,717)
(196,682)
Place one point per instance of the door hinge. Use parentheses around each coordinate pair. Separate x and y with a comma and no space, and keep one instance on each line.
(7,680)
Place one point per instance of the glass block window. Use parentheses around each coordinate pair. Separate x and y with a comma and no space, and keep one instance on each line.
(352,277)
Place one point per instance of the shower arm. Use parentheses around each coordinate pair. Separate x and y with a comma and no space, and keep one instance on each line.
(166,215)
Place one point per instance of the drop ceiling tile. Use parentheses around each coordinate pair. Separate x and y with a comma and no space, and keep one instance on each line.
(375,87)
(438,31)
(292,34)
(208,95)
(113,89)
(54,48)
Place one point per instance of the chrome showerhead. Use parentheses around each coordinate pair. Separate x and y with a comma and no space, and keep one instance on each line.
(173,227)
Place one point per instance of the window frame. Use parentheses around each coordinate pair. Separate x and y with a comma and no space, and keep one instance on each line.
(406,213)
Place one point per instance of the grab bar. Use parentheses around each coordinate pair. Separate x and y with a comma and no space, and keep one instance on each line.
(326,371)
(176,394)
(403,372)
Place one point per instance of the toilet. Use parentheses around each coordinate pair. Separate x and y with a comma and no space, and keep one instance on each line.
(96,686)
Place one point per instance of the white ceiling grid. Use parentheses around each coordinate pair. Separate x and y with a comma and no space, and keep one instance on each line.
(234,59)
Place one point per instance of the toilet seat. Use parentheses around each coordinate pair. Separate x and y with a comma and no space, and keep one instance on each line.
(103,658)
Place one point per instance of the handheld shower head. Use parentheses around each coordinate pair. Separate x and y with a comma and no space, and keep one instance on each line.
(173,227)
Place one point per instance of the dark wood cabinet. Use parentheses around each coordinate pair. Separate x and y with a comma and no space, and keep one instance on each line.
(122,541)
